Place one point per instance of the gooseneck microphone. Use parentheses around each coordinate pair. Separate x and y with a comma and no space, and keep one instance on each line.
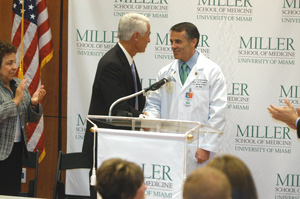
(153,87)
(158,84)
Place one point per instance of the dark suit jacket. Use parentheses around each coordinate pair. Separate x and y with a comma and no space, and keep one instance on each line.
(113,80)
(298,129)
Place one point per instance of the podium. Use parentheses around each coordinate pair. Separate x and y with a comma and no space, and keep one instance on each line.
(165,149)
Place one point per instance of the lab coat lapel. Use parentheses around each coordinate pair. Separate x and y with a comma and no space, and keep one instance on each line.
(191,77)
(175,74)
(194,73)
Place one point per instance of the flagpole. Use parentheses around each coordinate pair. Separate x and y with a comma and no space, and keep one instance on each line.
(60,77)
(20,73)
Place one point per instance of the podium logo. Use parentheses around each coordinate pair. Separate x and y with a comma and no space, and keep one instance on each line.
(238,96)
(156,171)
(158,180)
(266,50)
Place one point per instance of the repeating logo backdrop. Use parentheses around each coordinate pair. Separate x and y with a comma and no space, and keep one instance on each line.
(257,45)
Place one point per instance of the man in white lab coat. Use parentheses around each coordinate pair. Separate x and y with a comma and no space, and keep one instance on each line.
(196,92)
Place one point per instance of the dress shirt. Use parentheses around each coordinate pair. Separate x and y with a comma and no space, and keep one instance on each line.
(129,58)
(190,63)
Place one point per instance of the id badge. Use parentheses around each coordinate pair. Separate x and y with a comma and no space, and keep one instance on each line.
(188,98)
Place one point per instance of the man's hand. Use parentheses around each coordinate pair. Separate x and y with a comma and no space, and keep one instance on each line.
(202,155)
(20,92)
(285,114)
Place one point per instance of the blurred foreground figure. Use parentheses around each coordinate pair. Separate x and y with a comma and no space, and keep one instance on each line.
(120,179)
(207,183)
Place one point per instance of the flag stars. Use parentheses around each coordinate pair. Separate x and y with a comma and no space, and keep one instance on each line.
(15,5)
(32,16)
(20,1)
(30,7)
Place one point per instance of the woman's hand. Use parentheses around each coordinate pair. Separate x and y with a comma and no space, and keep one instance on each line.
(38,96)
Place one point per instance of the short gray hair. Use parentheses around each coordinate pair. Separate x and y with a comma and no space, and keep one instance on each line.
(131,23)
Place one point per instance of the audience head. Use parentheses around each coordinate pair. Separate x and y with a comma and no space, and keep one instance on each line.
(120,179)
(207,183)
(239,175)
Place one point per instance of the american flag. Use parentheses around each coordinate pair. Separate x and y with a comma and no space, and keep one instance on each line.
(38,50)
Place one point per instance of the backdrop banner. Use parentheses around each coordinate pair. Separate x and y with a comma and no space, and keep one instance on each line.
(256,44)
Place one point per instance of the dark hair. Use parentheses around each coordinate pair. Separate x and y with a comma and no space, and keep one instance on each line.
(119,179)
(6,49)
(239,175)
(191,31)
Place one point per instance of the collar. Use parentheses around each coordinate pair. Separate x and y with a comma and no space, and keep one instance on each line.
(129,58)
(13,81)
(191,62)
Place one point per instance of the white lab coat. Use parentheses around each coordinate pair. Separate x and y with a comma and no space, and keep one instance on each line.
(206,84)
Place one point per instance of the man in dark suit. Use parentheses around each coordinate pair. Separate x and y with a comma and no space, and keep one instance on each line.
(117,75)
(287,115)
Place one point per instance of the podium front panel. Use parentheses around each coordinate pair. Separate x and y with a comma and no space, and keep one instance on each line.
(160,155)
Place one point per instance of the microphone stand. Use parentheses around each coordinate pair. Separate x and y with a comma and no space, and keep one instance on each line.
(125,98)
(153,87)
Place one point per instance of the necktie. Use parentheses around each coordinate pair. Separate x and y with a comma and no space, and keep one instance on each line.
(183,75)
(135,86)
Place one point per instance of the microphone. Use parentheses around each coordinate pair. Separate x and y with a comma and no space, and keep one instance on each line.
(158,84)
(153,87)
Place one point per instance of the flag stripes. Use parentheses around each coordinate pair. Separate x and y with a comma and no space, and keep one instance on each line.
(38,50)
